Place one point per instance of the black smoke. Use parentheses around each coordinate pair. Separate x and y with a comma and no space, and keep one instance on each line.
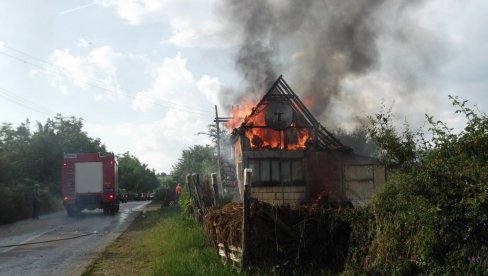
(316,44)
(261,27)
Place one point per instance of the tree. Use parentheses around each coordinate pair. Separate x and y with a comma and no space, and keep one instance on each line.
(15,151)
(392,147)
(135,176)
(212,133)
(27,158)
(358,139)
(432,216)
(197,159)
(72,138)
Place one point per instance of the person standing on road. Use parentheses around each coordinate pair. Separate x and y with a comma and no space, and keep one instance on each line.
(36,202)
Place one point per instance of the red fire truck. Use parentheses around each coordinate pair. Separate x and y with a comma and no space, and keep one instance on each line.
(89,181)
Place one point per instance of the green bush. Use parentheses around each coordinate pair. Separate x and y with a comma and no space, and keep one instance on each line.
(50,202)
(185,203)
(16,201)
(432,216)
(165,195)
(14,204)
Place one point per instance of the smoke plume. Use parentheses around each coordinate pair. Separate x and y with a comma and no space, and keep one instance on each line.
(316,44)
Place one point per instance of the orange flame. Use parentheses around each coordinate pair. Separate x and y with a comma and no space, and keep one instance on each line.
(303,136)
(264,138)
(308,101)
(239,114)
(260,136)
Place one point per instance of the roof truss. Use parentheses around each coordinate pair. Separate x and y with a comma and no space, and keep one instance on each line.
(281,91)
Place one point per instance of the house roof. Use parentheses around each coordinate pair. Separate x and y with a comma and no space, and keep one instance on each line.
(281,92)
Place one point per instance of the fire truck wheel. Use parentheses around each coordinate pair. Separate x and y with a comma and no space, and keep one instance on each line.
(112,210)
(71,210)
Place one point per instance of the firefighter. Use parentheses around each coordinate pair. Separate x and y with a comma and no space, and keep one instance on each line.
(36,201)
(178,190)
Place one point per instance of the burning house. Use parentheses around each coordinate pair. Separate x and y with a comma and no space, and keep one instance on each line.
(295,159)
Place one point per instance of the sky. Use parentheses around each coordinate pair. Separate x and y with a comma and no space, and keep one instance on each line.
(145,75)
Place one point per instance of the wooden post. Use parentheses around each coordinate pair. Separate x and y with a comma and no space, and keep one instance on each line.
(215,190)
(196,182)
(246,240)
(192,197)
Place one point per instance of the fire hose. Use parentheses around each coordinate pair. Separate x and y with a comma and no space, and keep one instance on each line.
(48,241)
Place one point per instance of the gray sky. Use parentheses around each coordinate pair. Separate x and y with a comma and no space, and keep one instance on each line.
(145,74)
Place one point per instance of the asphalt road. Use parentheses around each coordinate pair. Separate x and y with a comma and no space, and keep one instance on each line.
(56,244)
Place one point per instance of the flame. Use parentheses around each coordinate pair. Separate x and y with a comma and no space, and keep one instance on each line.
(303,136)
(264,138)
(239,114)
(260,136)
(318,198)
(308,101)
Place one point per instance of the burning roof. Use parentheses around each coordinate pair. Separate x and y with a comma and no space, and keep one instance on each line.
(281,121)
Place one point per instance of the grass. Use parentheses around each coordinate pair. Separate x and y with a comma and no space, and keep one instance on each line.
(160,242)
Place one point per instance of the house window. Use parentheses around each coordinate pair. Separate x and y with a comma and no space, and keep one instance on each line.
(266,172)
(254,166)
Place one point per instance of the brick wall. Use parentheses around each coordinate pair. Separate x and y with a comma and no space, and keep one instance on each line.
(288,195)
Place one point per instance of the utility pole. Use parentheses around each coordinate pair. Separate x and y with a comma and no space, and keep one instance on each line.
(217,121)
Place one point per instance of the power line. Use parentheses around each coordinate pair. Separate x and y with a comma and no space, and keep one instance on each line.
(72,72)
(104,88)
(66,72)
(69,74)
(4,93)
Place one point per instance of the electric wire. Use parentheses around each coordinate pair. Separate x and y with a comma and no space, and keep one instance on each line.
(104,88)
(63,72)
(7,95)
(67,73)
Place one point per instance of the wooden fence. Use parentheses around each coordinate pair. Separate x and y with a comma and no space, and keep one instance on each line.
(238,256)
(196,190)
